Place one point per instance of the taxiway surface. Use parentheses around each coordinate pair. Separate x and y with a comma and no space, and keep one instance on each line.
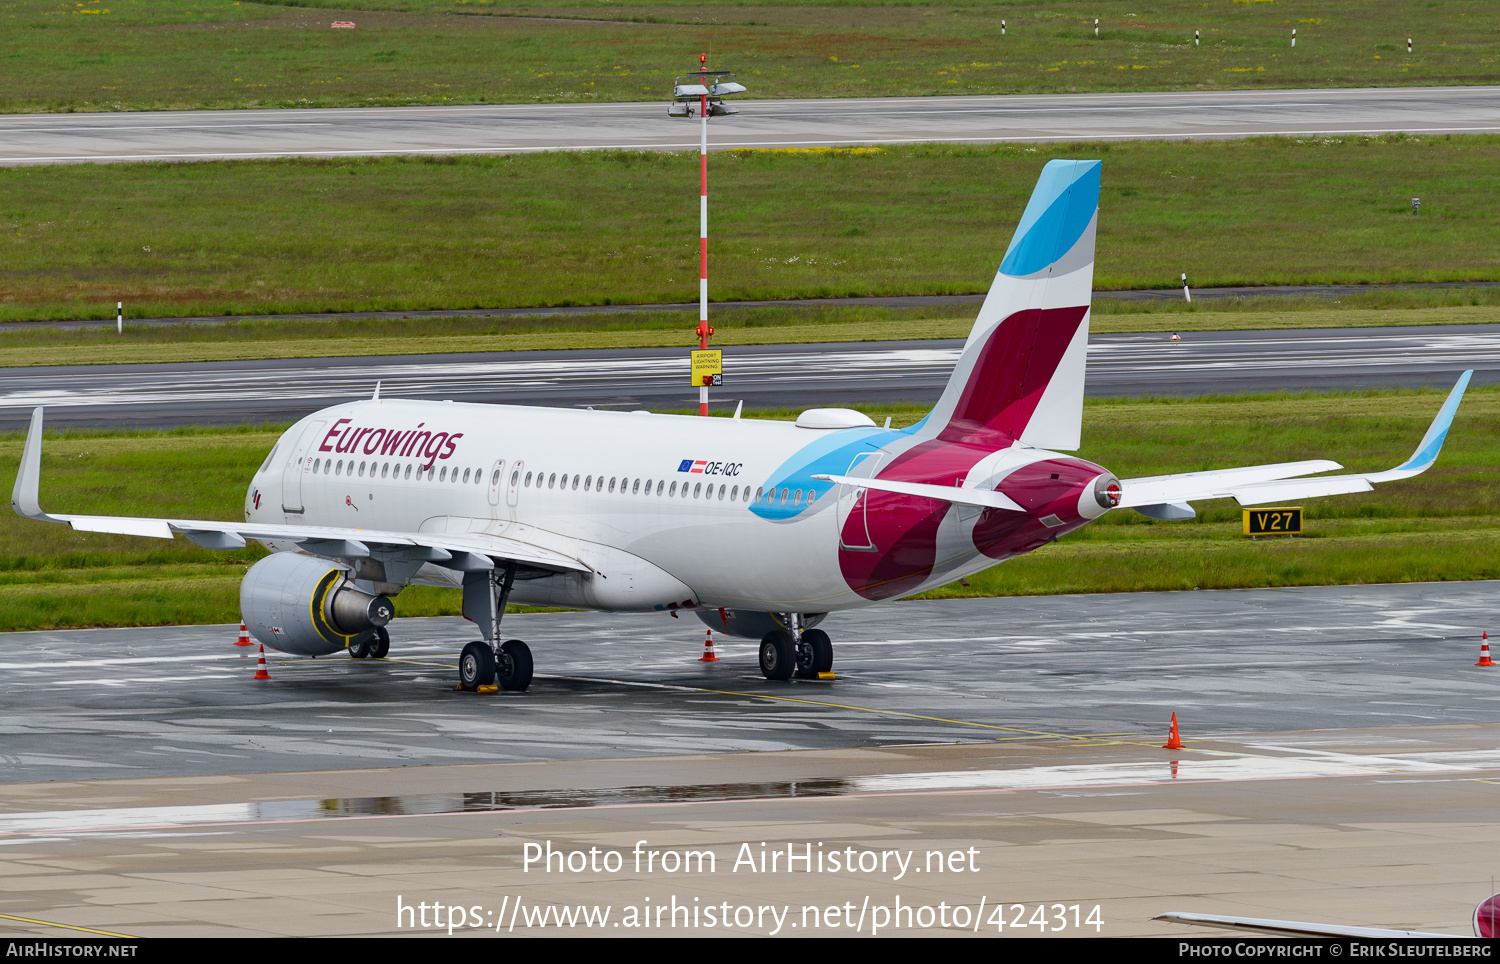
(1341,765)
(512,128)
(164,701)
(772,376)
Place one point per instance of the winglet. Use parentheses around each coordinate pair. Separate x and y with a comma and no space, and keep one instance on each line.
(376,396)
(1432,443)
(23,497)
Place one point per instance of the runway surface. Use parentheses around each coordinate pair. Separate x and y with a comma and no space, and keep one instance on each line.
(165,701)
(205,135)
(766,376)
(1341,765)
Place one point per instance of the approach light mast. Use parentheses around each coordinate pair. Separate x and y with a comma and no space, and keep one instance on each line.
(705,93)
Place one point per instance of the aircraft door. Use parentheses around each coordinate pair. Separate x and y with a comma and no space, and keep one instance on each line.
(854,529)
(296,468)
(513,492)
(497,481)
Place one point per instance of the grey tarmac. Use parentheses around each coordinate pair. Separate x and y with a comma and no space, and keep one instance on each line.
(1340,764)
(514,128)
(768,376)
(180,700)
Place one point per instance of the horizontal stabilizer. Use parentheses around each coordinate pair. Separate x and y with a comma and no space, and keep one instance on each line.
(985,498)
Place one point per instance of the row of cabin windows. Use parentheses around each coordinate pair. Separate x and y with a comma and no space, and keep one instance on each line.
(535,480)
(443,474)
(654,487)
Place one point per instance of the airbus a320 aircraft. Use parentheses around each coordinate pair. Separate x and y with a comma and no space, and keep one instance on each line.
(761,528)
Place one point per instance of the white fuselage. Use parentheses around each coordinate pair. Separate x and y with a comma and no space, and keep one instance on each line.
(653,502)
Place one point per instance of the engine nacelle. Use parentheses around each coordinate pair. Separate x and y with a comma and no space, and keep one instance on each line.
(307,606)
(751,624)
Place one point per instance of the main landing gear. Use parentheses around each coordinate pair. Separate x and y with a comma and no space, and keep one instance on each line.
(804,653)
(510,668)
(375,648)
(482,662)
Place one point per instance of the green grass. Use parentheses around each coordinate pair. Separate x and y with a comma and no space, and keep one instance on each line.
(149,54)
(621,227)
(1444,525)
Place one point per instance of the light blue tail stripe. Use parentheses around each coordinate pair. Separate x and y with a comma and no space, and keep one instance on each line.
(1061,206)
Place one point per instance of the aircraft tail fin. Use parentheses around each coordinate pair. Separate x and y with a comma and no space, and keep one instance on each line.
(1021,371)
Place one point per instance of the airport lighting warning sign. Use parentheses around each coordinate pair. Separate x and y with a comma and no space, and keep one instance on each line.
(708,367)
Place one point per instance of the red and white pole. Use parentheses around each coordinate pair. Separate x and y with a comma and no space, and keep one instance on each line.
(703,232)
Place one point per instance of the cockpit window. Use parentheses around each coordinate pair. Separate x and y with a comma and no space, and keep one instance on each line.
(271,457)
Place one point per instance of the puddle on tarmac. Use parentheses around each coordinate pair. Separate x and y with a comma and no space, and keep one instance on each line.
(1212,767)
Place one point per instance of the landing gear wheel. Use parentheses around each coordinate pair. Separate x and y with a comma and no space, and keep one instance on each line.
(513,668)
(778,654)
(380,645)
(476,666)
(360,649)
(815,655)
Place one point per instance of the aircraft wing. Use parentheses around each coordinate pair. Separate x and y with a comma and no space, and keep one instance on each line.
(1293,928)
(1166,496)
(464,552)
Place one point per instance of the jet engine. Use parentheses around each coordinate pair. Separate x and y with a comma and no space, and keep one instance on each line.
(751,624)
(308,606)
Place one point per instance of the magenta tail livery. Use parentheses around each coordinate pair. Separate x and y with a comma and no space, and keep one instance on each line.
(762,528)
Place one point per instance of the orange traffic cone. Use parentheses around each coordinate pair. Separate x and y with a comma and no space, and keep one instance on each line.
(244,639)
(1484,651)
(260,671)
(1174,742)
(708,649)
